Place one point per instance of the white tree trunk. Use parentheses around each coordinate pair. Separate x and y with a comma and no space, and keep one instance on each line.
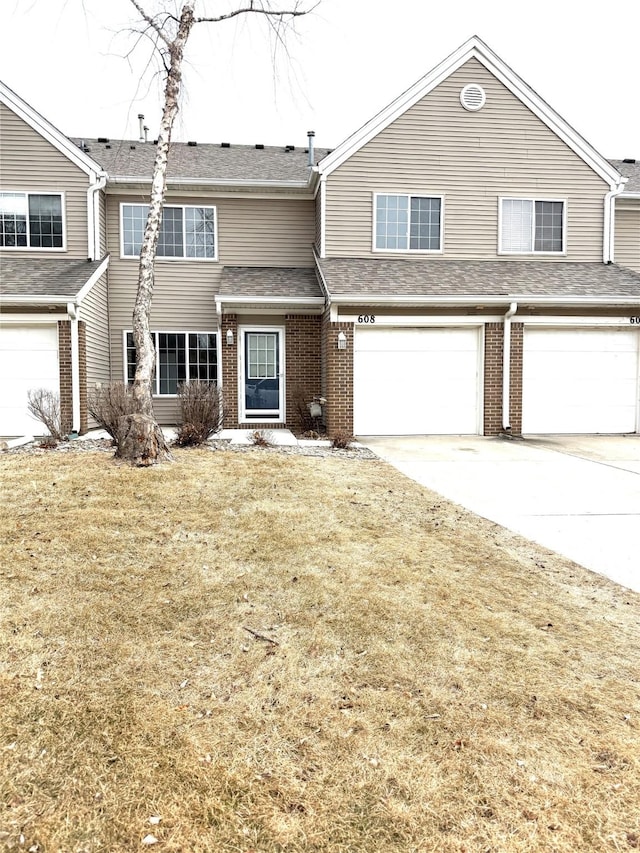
(145,352)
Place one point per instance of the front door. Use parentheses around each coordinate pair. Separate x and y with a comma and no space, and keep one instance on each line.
(261,375)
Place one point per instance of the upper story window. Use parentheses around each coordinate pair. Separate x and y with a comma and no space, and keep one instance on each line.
(186,231)
(31,220)
(408,223)
(531,226)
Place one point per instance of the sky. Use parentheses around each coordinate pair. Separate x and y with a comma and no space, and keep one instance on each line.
(78,63)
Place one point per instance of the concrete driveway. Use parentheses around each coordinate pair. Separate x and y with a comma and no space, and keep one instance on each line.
(576,495)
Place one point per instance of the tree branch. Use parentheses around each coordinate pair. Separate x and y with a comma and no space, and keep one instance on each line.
(251,8)
(151,22)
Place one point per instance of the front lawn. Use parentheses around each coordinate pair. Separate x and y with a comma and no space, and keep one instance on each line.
(267,652)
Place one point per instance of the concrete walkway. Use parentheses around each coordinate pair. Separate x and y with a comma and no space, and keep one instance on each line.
(577,495)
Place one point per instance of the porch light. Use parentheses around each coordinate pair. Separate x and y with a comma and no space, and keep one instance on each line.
(229,337)
(342,340)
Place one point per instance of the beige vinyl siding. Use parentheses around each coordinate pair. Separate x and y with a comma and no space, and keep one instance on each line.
(470,158)
(251,232)
(103,224)
(94,313)
(265,232)
(28,163)
(318,222)
(627,247)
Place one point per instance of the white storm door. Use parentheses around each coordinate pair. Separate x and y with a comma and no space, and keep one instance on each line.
(262,374)
(417,381)
(580,380)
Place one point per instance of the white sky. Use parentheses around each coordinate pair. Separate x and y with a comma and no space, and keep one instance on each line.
(347,61)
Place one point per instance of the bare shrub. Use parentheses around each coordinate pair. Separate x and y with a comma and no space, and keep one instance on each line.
(261,438)
(108,404)
(341,441)
(201,413)
(44,405)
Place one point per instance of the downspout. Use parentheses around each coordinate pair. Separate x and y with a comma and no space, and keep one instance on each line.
(608,241)
(93,216)
(506,368)
(73,311)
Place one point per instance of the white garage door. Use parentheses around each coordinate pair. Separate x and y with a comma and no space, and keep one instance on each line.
(580,380)
(28,359)
(416,381)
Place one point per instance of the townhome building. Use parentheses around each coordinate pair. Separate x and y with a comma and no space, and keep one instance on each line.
(464,263)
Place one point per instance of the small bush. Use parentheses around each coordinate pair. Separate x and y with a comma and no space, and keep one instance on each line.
(201,413)
(341,441)
(108,404)
(261,438)
(44,405)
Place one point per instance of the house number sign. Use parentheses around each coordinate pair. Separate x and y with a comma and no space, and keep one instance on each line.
(371,318)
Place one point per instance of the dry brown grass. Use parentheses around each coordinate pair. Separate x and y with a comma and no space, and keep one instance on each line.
(437,685)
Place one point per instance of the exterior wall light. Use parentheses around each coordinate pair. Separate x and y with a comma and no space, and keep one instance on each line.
(229,337)
(342,340)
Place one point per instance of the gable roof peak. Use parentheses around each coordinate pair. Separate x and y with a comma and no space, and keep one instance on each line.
(48,131)
(476,48)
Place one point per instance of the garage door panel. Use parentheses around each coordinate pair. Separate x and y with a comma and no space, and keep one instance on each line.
(28,360)
(580,380)
(416,381)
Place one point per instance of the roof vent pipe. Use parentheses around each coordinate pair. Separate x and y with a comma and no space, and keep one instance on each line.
(311,134)
(141,120)
(146,133)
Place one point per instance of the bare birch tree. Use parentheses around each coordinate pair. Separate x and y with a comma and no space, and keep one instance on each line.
(143,442)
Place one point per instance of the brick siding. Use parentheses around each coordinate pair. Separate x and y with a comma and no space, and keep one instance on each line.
(338,381)
(82,357)
(64,363)
(302,369)
(493,348)
(303,380)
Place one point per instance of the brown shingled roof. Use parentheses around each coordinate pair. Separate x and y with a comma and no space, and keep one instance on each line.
(205,162)
(292,282)
(47,277)
(405,278)
(631,171)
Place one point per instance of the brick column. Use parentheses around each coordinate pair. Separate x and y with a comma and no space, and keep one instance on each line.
(302,368)
(229,356)
(515,400)
(493,346)
(82,355)
(64,364)
(338,377)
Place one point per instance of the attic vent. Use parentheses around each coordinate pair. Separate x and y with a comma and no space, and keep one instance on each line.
(288,148)
(225,145)
(192,143)
(103,139)
(473,97)
(259,146)
(629,160)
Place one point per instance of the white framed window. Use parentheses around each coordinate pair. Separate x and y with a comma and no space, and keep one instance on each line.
(32,220)
(187,231)
(532,226)
(180,357)
(407,223)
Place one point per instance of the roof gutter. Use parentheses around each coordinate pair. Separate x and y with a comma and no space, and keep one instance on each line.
(506,369)
(609,234)
(73,312)
(481,301)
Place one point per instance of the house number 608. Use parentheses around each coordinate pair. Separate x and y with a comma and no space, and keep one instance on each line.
(370,318)
(635,320)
